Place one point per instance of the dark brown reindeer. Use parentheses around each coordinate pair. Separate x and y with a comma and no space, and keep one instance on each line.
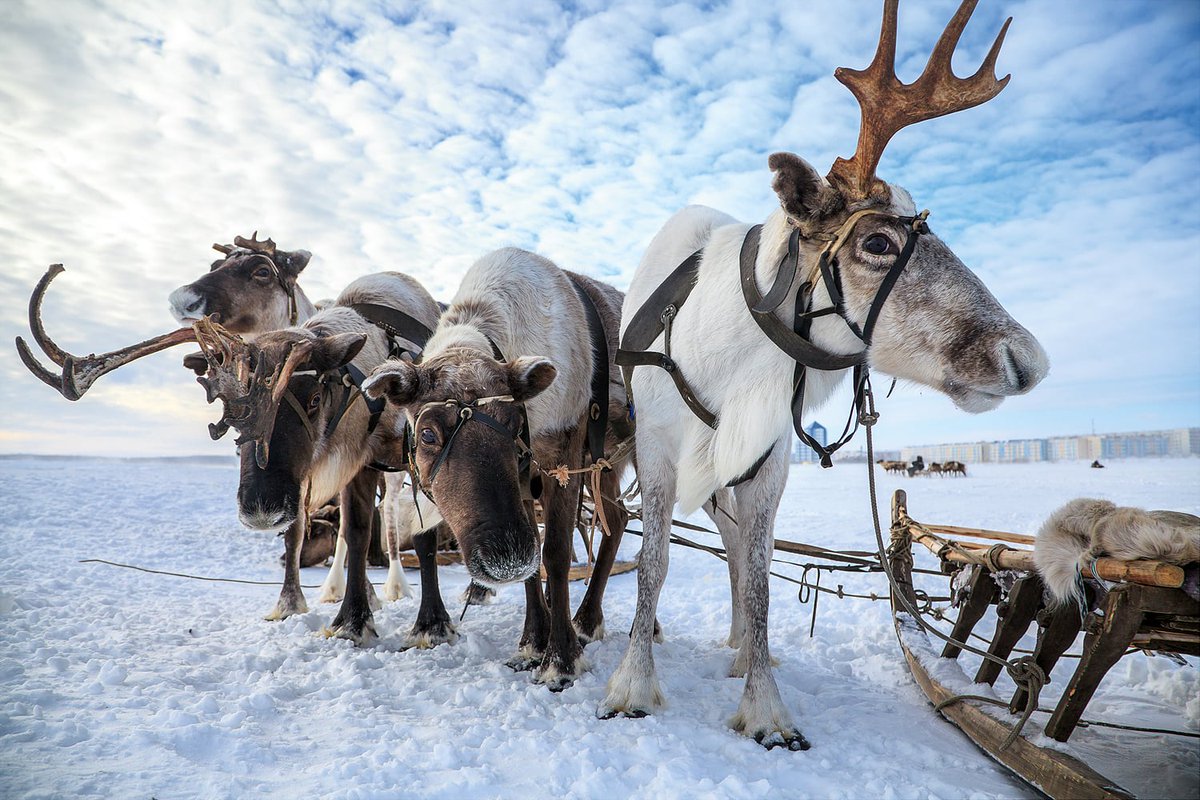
(512,362)
(306,433)
(251,290)
(868,283)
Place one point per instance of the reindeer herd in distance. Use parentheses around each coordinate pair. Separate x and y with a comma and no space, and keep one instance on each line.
(484,418)
(917,467)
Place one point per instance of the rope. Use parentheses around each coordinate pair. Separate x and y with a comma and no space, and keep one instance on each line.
(191,577)
(1024,672)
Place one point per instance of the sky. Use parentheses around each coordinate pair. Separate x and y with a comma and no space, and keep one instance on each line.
(419,136)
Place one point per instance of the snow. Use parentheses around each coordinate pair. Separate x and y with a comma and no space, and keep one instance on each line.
(117,683)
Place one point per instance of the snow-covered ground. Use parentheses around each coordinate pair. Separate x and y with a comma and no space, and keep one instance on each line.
(116,683)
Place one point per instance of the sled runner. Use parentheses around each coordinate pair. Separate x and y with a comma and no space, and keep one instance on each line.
(1144,608)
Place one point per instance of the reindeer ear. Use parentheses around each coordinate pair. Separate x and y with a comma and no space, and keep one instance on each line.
(802,191)
(331,352)
(529,376)
(394,379)
(196,362)
(294,262)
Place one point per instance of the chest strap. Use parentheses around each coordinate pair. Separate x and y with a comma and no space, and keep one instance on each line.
(655,317)
(597,424)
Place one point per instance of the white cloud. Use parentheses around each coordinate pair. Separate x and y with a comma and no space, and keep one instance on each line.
(418,137)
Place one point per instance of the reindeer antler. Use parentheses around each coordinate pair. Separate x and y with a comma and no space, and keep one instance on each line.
(79,373)
(249,381)
(266,246)
(888,105)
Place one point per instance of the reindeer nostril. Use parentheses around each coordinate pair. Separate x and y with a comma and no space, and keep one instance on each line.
(1020,375)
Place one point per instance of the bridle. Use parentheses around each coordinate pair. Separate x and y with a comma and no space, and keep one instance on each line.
(289,289)
(468,412)
(796,341)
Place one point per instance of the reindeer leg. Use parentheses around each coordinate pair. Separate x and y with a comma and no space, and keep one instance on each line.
(536,632)
(291,596)
(722,510)
(561,663)
(354,620)
(433,625)
(334,587)
(761,713)
(589,619)
(633,689)
(394,517)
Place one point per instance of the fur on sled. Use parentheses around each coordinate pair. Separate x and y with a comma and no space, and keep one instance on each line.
(1086,528)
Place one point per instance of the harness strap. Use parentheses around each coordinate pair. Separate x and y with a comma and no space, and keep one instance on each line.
(597,425)
(352,380)
(653,318)
(394,322)
(801,350)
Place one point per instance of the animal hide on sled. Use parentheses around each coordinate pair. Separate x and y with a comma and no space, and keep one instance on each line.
(1085,529)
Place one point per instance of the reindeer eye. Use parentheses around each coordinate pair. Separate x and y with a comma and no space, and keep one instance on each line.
(314,402)
(428,436)
(879,245)
(262,272)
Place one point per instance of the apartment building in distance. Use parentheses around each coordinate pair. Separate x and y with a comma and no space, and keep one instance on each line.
(1175,443)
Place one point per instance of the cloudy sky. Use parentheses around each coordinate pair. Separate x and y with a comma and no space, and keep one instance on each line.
(418,136)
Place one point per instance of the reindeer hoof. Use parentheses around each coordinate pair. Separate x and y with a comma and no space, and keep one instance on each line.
(527,657)
(589,630)
(362,635)
(286,607)
(793,740)
(430,636)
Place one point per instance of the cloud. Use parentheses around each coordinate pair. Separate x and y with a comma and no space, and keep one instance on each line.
(421,136)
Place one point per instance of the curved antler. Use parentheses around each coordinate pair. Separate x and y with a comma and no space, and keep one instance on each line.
(888,105)
(266,246)
(78,374)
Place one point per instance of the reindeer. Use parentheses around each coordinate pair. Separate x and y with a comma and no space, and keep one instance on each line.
(317,448)
(504,379)
(252,290)
(935,469)
(896,467)
(954,468)
(718,413)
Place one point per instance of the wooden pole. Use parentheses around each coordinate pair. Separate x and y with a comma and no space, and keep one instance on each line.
(1146,573)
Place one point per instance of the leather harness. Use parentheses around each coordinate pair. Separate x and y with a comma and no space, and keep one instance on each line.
(657,313)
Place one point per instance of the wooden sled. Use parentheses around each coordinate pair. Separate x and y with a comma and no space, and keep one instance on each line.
(1145,610)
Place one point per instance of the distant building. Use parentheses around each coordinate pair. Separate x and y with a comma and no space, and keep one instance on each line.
(1176,443)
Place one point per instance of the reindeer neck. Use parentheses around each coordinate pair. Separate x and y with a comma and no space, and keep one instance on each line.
(469,323)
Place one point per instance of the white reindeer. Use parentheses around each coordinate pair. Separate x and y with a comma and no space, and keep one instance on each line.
(939,327)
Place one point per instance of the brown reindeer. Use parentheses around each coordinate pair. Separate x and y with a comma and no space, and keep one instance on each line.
(512,360)
(306,434)
(255,289)
(251,290)
(954,468)
(895,467)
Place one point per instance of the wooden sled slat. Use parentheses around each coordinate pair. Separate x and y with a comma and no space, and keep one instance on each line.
(1055,773)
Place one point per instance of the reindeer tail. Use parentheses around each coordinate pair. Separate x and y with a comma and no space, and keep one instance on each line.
(1064,544)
